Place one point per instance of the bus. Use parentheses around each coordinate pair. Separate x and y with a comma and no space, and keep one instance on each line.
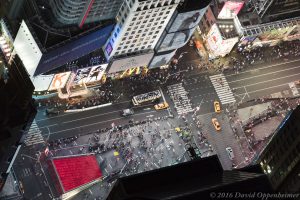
(143,98)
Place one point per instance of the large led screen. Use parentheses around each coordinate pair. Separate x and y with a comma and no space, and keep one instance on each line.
(74,49)
(59,80)
(130,62)
(160,60)
(230,9)
(175,40)
(187,20)
(81,76)
(96,73)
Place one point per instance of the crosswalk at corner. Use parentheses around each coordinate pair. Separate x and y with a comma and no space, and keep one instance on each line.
(179,96)
(222,88)
(33,136)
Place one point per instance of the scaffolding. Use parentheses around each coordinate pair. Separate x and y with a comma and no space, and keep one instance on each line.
(261,6)
(262,28)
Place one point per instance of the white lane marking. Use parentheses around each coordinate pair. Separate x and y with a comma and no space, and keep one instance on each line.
(266,67)
(76,127)
(274,72)
(92,116)
(58,116)
(222,88)
(285,84)
(257,83)
(169,124)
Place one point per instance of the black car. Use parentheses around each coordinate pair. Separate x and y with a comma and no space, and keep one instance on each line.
(52,111)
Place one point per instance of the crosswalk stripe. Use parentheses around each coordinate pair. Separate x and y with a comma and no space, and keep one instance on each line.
(178,95)
(222,89)
(33,135)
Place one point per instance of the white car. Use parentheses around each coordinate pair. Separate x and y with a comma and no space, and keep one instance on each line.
(230,153)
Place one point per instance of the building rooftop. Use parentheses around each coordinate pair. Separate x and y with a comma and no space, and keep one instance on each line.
(190,180)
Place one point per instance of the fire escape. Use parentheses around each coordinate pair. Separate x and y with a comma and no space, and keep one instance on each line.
(261,6)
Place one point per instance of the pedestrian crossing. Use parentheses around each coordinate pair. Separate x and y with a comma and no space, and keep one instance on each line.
(33,135)
(179,96)
(222,88)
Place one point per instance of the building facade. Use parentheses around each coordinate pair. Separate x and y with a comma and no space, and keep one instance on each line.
(281,157)
(70,12)
(207,21)
(140,25)
(148,33)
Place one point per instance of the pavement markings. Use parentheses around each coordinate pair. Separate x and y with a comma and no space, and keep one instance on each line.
(101,122)
(179,96)
(222,88)
(33,135)
(294,89)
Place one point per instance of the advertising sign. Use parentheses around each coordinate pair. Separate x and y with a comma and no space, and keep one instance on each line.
(216,44)
(160,60)
(59,80)
(214,38)
(81,76)
(130,62)
(73,50)
(230,9)
(96,73)
(294,34)
(187,20)
(175,40)
(108,48)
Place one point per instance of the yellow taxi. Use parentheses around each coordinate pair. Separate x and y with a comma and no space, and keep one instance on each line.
(217,106)
(177,129)
(216,124)
(161,106)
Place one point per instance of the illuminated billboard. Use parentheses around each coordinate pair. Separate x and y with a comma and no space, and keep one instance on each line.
(230,9)
(130,62)
(214,38)
(108,49)
(160,60)
(81,76)
(27,49)
(215,43)
(96,73)
(59,81)
(73,50)
(187,20)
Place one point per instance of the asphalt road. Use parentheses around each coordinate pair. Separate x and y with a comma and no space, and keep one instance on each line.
(69,124)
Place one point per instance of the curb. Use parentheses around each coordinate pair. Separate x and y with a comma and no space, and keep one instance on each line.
(90,108)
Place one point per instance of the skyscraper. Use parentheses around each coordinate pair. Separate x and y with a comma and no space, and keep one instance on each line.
(196,179)
(71,12)
(281,157)
(17,112)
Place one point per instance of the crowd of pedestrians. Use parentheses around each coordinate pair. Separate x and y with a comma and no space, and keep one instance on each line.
(129,86)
